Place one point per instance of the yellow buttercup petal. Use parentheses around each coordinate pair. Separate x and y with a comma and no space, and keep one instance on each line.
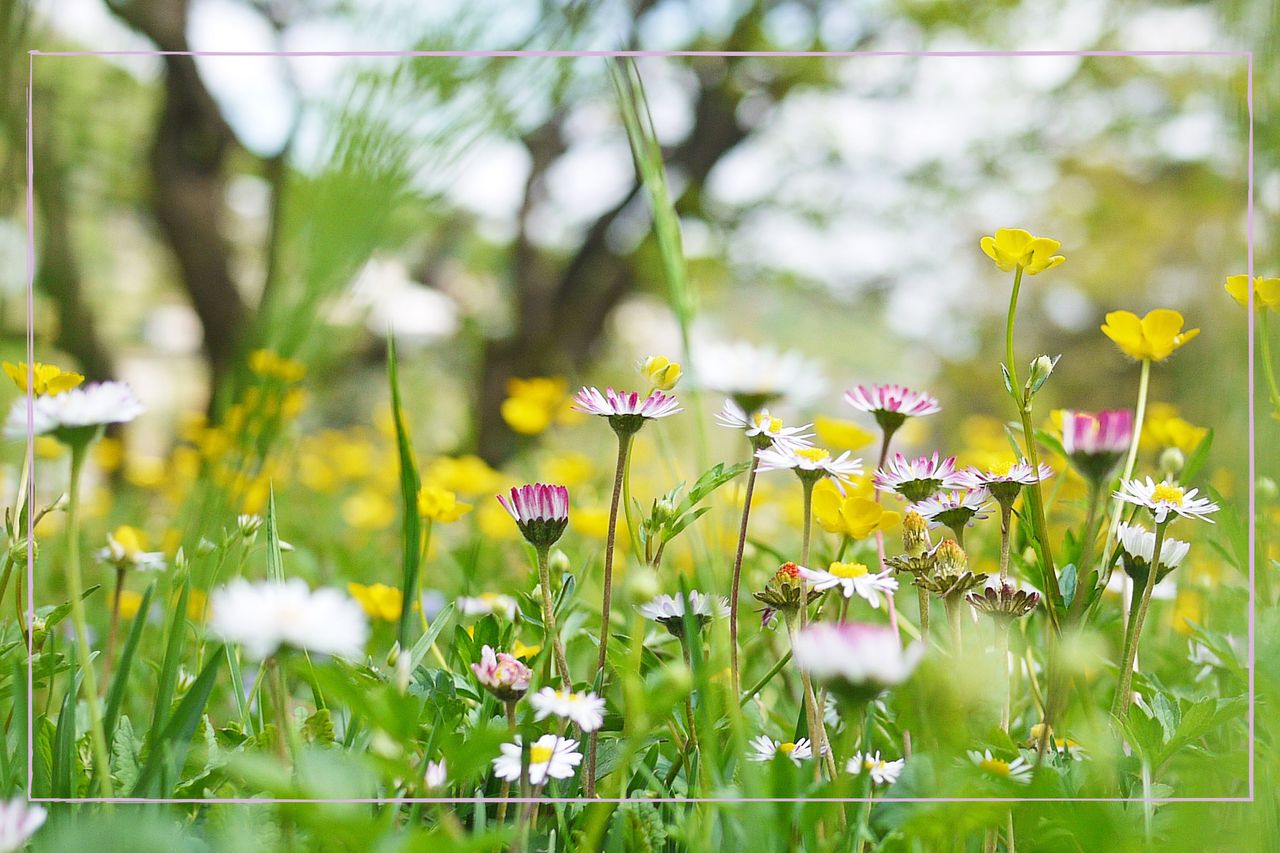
(1160,328)
(1013,248)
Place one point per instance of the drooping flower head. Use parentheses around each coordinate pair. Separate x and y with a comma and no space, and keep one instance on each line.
(1095,443)
(762,428)
(810,463)
(917,479)
(766,749)
(627,410)
(1005,480)
(669,610)
(550,757)
(1017,770)
(19,820)
(1266,292)
(882,772)
(1138,547)
(857,660)
(1153,337)
(1165,498)
(891,405)
(852,579)
(1004,602)
(502,674)
(125,551)
(755,376)
(955,510)
(75,416)
(266,616)
(1014,247)
(586,710)
(541,512)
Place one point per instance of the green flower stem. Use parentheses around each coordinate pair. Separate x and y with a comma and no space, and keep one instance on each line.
(952,604)
(1006,518)
(1268,369)
(812,714)
(620,473)
(768,676)
(1086,572)
(1123,696)
(893,610)
(551,633)
(1003,626)
(737,575)
(4,575)
(75,588)
(808,485)
(866,785)
(1140,413)
(922,596)
(506,783)
(110,655)
(280,695)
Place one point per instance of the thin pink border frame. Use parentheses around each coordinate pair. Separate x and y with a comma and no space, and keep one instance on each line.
(566,54)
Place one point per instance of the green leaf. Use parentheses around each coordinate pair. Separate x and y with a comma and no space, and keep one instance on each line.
(1197,458)
(411,522)
(120,679)
(125,751)
(275,555)
(172,659)
(168,751)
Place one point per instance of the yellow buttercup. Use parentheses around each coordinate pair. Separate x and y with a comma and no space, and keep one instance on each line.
(1015,247)
(1150,338)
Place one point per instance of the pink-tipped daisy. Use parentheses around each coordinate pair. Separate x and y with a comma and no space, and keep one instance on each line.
(919,478)
(851,579)
(857,659)
(810,463)
(1005,481)
(502,674)
(891,405)
(763,429)
(541,512)
(626,410)
(1166,498)
(955,510)
(1095,443)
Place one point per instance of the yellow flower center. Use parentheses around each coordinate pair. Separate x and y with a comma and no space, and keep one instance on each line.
(813,454)
(1002,469)
(848,570)
(786,748)
(1166,492)
(540,754)
(995,765)
(769,423)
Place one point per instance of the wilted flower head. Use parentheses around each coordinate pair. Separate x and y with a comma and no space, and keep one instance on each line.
(502,674)
(550,757)
(858,660)
(1165,498)
(74,416)
(124,551)
(669,610)
(248,525)
(1153,337)
(762,428)
(541,512)
(627,411)
(919,478)
(757,376)
(1015,247)
(891,405)
(1005,602)
(266,616)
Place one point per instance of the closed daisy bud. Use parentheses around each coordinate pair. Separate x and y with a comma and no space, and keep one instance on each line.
(915,534)
(502,674)
(951,559)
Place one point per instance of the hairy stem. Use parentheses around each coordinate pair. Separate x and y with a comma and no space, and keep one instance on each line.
(737,577)
(1123,696)
(551,633)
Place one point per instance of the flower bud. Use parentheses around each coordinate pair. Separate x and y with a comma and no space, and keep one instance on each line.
(662,373)
(1039,372)
(558,562)
(1171,463)
(1266,488)
(643,584)
(915,534)
(951,558)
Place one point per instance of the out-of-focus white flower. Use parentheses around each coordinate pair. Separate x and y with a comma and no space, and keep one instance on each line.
(766,748)
(756,376)
(862,659)
(68,415)
(265,616)
(1017,770)
(882,772)
(437,775)
(586,710)
(488,602)
(19,820)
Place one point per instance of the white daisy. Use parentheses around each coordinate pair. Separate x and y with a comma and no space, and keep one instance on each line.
(488,602)
(763,428)
(611,403)
(1140,543)
(852,579)
(549,757)
(919,478)
(955,510)
(123,552)
(756,376)
(437,775)
(1017,770)
(502,674)
(73,412)
(868,659)
(19,820)
(669,610)
(586,710)
(266,616)
(810,462)
(882,772)
(1165,498)
(766,749)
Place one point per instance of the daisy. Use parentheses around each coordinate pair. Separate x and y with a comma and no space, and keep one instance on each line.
(266,616)
(627,411)
(502,674)
(586,710)
(864,659)
(852,579)
(1006,480)
(756,376)
(1004,602)
(1095,442)
(891,405)
(1139,544)
(437,775)
(541,512)
(810,463)
(550,757)
(1166,498)
(919,478)
(19,820)
(669,610)
(1017,770)
(124,552)
(488,602)
(763,429)
(955,510)
(75,416)
(882,772)
(766,749)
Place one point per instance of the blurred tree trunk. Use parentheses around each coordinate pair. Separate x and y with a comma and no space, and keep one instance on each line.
(188,156)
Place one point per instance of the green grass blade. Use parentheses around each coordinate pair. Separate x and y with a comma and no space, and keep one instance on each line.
(169,750)
(411,529)
(120,680)
(64,741)
(275,556)
(172,658)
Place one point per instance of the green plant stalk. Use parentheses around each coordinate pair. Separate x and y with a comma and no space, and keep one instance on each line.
(768,676)
(892,605)
(1121,704)
(812,715)
(619,474)
(1268,369)
(1086,582)
(864,814)
(737,576)
(4,576)
(110,655)
(551,632)
(1140,413)
(75,585)
(1003,626)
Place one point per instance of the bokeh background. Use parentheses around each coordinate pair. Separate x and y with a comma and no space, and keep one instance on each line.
(488,212)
